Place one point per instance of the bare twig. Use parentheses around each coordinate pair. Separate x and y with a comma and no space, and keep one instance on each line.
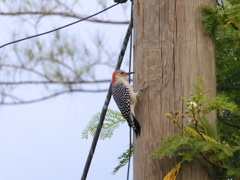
(53,82)
(59,28)
(26,69)
(65,14)
(21,102)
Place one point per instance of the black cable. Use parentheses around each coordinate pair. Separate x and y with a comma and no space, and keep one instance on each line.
(105,106)
(47,32)
(130,129)
(129,154)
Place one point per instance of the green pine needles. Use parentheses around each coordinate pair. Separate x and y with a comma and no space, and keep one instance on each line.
(198,139)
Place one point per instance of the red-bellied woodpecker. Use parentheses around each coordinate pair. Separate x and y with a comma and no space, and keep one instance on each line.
(125,98)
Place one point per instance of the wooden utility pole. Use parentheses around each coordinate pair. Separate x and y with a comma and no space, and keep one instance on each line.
(170,50)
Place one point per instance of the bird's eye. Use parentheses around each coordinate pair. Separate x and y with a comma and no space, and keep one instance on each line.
(122,72)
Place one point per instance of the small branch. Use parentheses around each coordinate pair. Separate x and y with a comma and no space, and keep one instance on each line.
(211,163)
(212,151)
(22,67)
(4,95)
(229,124)
(234,26)
(61,63)
(200,119)
(196,124)
(65,14)
(21,102)
(54,82)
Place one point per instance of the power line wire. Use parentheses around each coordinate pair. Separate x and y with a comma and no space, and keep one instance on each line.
(130,129)
(57,29)
(106,103)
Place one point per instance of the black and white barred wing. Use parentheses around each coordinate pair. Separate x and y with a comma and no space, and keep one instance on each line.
(121,96)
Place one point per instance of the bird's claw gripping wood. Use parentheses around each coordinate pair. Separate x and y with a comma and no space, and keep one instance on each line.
(144,87)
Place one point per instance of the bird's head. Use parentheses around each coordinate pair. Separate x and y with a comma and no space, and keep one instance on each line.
(119,74)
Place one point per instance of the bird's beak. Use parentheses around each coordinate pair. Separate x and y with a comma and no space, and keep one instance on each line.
(130,73)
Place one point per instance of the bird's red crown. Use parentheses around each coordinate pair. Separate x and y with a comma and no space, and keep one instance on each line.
(114,76)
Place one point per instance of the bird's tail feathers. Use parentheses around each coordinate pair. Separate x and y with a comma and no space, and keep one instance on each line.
(137,128)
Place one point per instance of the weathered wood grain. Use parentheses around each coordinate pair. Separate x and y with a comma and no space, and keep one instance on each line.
(170,50)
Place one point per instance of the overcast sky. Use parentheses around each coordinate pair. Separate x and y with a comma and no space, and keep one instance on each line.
(43,141)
